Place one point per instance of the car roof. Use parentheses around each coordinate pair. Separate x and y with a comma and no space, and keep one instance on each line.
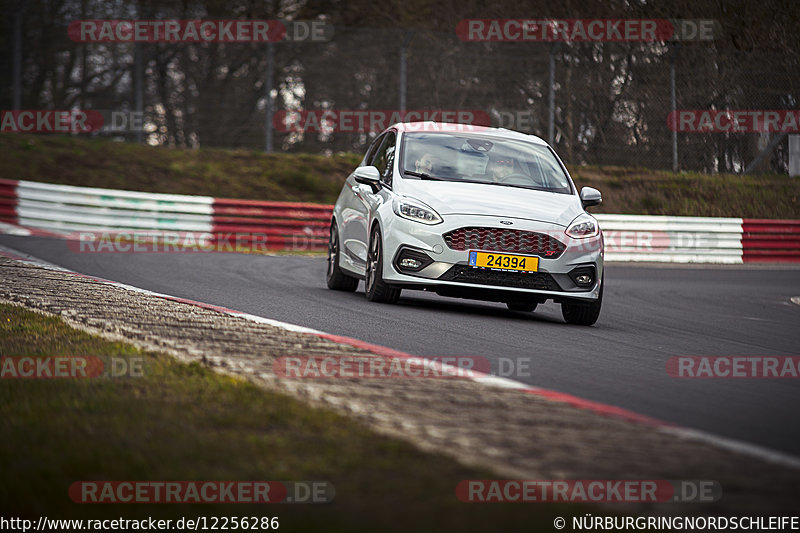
(449,127)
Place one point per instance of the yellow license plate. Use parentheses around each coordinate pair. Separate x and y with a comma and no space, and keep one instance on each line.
(522,263)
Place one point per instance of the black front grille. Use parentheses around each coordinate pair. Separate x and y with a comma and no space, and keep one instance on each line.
(504,240)
(542,281)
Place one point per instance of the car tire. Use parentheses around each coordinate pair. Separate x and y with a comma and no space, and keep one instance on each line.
(336,279)
(582,313)
(522,307)
(376,289)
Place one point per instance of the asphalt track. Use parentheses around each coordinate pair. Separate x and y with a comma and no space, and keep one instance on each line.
(650,313)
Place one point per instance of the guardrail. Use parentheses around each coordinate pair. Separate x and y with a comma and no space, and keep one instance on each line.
(672,239)
(771,240)
(304,226)
(71,209)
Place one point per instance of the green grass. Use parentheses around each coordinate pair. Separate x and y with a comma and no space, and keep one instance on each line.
(650,192)
(184,422)
(214,172)
(317,178)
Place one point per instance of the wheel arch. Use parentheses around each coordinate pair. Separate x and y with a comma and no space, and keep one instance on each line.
(376,223)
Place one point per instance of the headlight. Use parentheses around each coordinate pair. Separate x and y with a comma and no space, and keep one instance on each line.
(416,211)
(583,227)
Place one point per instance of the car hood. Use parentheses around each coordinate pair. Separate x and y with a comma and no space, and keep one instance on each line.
(453,198)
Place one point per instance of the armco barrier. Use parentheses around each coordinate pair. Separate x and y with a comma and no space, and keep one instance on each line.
(771,241)
(672,239)
(304,226)
(71,209)
(287,225)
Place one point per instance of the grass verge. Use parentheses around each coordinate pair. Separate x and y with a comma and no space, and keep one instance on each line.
(315,178)
(185,422)
(213,172)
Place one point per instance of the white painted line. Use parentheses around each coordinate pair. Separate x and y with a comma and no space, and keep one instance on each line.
(276,323)
(504,383)
(744,448)
(11,229)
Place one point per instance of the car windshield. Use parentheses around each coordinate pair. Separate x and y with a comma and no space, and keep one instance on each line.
(482,159)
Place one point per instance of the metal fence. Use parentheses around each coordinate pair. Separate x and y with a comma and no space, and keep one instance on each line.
(599,103)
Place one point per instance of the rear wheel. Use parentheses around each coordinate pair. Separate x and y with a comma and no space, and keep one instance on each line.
(582,313)
(378,290)
(337,280)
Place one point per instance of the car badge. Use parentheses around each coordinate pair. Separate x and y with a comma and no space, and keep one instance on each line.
(506,222)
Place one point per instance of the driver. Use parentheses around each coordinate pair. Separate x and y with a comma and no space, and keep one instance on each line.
(499,168)
(425,163)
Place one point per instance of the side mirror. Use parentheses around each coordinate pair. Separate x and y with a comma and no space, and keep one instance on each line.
(590,197)
(368,176)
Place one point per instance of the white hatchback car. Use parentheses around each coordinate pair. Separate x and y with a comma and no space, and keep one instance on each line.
(469,212)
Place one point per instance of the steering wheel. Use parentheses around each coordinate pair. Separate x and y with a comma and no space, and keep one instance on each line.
(515,178)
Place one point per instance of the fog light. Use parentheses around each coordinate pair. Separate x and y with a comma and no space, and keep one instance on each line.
(583,277)
(408,262)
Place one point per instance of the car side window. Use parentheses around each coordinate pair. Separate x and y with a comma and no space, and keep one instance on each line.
(384,159)
(373,150)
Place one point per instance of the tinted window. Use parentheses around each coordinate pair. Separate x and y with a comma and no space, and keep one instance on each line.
(384,158)
(373,150)
(484,159)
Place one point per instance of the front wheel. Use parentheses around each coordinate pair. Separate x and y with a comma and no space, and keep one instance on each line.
(378,290)
(582,313)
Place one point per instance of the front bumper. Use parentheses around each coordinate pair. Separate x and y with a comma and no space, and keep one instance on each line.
(447,271)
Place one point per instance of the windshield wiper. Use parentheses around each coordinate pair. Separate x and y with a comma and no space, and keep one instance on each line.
(529,187)
(423,175)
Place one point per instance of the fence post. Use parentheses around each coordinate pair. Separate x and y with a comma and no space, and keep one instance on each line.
(268,99)
(138,86)
(22,5)
(794,155)
(403,55)
(551,128)
(674,105)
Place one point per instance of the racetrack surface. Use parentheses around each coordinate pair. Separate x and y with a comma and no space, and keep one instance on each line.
(650,313)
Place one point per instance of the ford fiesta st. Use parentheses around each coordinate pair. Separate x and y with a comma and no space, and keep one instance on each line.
(469,212)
